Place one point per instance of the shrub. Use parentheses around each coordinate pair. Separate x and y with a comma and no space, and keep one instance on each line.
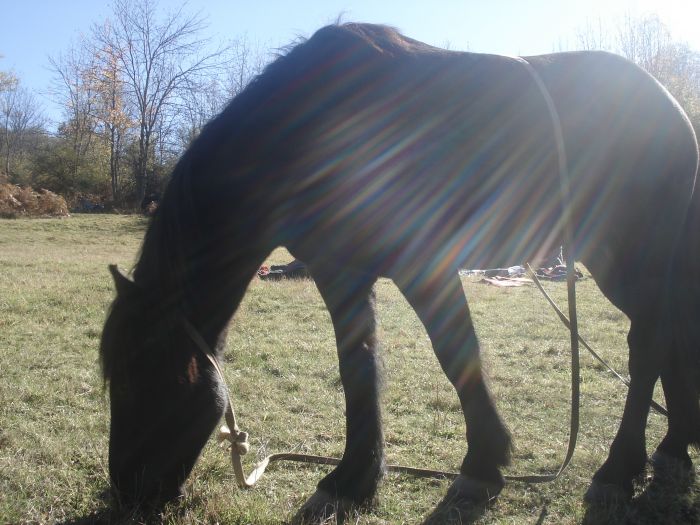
(25,202)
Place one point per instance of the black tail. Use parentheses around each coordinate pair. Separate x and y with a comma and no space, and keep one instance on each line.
(684,290)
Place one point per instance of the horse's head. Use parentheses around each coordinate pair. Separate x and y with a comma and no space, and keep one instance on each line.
(164,398)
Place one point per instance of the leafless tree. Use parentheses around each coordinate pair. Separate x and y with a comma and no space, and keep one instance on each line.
(110,106)
(203,98)
(157,57)
(199,103)
(248,60)
(22,118)
(679,71)
(594,35)
(7,80)
(645,41)
(74,88)
(650,44)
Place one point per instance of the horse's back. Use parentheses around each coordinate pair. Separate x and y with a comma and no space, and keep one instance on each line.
(419,157)
(633,159)
(375,150)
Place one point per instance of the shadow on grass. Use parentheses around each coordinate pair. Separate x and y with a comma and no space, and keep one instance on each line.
(450,512)
(667,498)
(111,516)
(111,513)
(454,511)
(98,517)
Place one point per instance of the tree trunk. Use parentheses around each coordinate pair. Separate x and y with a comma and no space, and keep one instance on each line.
(142,166)
(113,166)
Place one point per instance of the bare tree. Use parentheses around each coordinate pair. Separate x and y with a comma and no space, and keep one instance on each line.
(8,83)
(650,44)
(21,118)
(157,58)
(645,41)
(679,71)
(248,60)
(110,107)
(74,88)
(593,35)
(203,98)
(7,80)
(199,103)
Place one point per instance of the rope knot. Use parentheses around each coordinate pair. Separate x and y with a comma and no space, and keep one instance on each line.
(237,439)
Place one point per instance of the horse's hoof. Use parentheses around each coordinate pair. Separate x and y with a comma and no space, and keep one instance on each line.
(320,508)
(607,493)
(474,491)
(664,463)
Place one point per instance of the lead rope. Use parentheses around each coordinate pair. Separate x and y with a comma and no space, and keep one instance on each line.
(238,439)
(565,321)
(567,220)
(239,446)
(572,322)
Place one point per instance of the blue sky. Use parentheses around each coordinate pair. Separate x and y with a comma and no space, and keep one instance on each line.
(31,30)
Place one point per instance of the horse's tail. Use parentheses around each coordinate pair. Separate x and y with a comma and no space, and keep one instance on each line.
(684,296)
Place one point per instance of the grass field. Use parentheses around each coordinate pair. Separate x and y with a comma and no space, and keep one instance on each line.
(281,367)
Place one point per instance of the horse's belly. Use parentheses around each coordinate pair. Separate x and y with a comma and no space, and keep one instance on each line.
(450,229)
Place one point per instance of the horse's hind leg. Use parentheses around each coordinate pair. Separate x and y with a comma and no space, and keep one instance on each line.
(683,420)
(442,307)
(350,301)
(627,456)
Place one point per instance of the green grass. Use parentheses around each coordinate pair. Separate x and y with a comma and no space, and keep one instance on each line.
(282,370)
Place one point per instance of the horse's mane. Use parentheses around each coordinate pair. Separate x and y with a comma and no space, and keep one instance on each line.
(248,109)
(162,262)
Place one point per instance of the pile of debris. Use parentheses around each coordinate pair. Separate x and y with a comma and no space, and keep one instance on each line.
(87,203)
(294,270)
(516,275)
(16,201)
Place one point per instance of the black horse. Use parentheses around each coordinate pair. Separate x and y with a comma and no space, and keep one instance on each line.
(371,154)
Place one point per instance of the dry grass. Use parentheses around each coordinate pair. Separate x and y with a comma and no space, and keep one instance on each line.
(16,201)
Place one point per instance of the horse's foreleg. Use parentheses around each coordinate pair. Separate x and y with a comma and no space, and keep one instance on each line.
(442,308)
(350,301)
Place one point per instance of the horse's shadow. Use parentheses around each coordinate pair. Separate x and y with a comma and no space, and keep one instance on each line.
(98,517)
(668,497)
(111,512)
(105,514)
(110,515)
(451,509)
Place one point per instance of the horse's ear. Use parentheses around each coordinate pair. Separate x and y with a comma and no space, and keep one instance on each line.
(122,283)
